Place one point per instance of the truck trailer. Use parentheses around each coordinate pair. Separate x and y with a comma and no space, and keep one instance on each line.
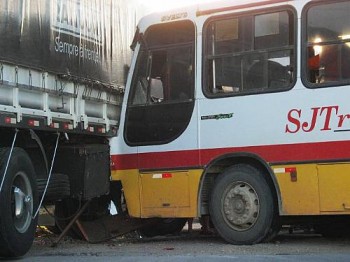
(63,65)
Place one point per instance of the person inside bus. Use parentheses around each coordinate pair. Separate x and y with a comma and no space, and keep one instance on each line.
(313,65)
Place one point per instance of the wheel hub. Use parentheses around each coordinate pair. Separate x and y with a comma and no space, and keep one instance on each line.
(22,202)
(241,206)
(19,202)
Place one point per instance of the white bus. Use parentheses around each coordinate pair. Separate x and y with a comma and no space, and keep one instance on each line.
(239,112)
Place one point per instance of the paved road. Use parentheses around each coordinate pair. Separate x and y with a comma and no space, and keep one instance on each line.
(193,246)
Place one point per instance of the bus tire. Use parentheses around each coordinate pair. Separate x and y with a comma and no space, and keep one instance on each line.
(241,205)
(18,202)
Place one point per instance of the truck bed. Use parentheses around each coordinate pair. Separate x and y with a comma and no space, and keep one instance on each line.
(33,98)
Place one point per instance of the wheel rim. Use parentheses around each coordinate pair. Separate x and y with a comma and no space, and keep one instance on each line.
(22,202)
(240,206)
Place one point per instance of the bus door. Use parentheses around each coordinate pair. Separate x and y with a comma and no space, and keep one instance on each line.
(158,118)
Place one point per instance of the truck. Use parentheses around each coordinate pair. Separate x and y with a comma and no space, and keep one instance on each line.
(236,113)
(63,65)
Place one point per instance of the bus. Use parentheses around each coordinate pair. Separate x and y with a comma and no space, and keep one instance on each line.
(240,113)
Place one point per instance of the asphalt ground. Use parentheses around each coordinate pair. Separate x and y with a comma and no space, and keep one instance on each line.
(299,245)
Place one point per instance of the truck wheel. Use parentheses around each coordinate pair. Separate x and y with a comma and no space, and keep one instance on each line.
(18,202)
(166,226)
(241,206)
(58,188)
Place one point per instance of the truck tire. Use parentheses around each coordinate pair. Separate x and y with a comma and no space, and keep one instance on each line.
(241,206)
(18,202)
(166,226)
(58,188)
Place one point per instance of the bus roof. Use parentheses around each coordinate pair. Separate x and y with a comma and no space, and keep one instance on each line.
(211,8)
(203,9)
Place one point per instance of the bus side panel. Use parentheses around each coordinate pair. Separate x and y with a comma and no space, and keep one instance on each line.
(130,184)
(314,189)
(334,181)
(169,193)
(299,191)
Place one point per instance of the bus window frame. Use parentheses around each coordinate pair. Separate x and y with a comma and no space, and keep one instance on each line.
(188,104)
(252,13)
(305,46)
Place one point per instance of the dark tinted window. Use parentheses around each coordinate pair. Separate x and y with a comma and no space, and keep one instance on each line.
(161,100)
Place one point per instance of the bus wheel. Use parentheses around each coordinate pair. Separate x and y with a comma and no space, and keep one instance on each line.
(241,205)
(18,202)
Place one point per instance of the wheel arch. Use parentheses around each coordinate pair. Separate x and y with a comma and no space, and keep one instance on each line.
(221,163)
(30,145)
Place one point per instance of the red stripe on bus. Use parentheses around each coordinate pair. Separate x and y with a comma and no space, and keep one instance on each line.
(271,153)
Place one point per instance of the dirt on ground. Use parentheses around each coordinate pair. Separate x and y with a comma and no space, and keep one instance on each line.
(288,242)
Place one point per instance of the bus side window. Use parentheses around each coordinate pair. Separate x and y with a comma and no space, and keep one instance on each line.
(161,103)
(250,54)
(328,43)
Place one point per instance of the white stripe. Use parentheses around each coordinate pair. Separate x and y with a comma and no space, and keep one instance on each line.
(157,176)
(279,170)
